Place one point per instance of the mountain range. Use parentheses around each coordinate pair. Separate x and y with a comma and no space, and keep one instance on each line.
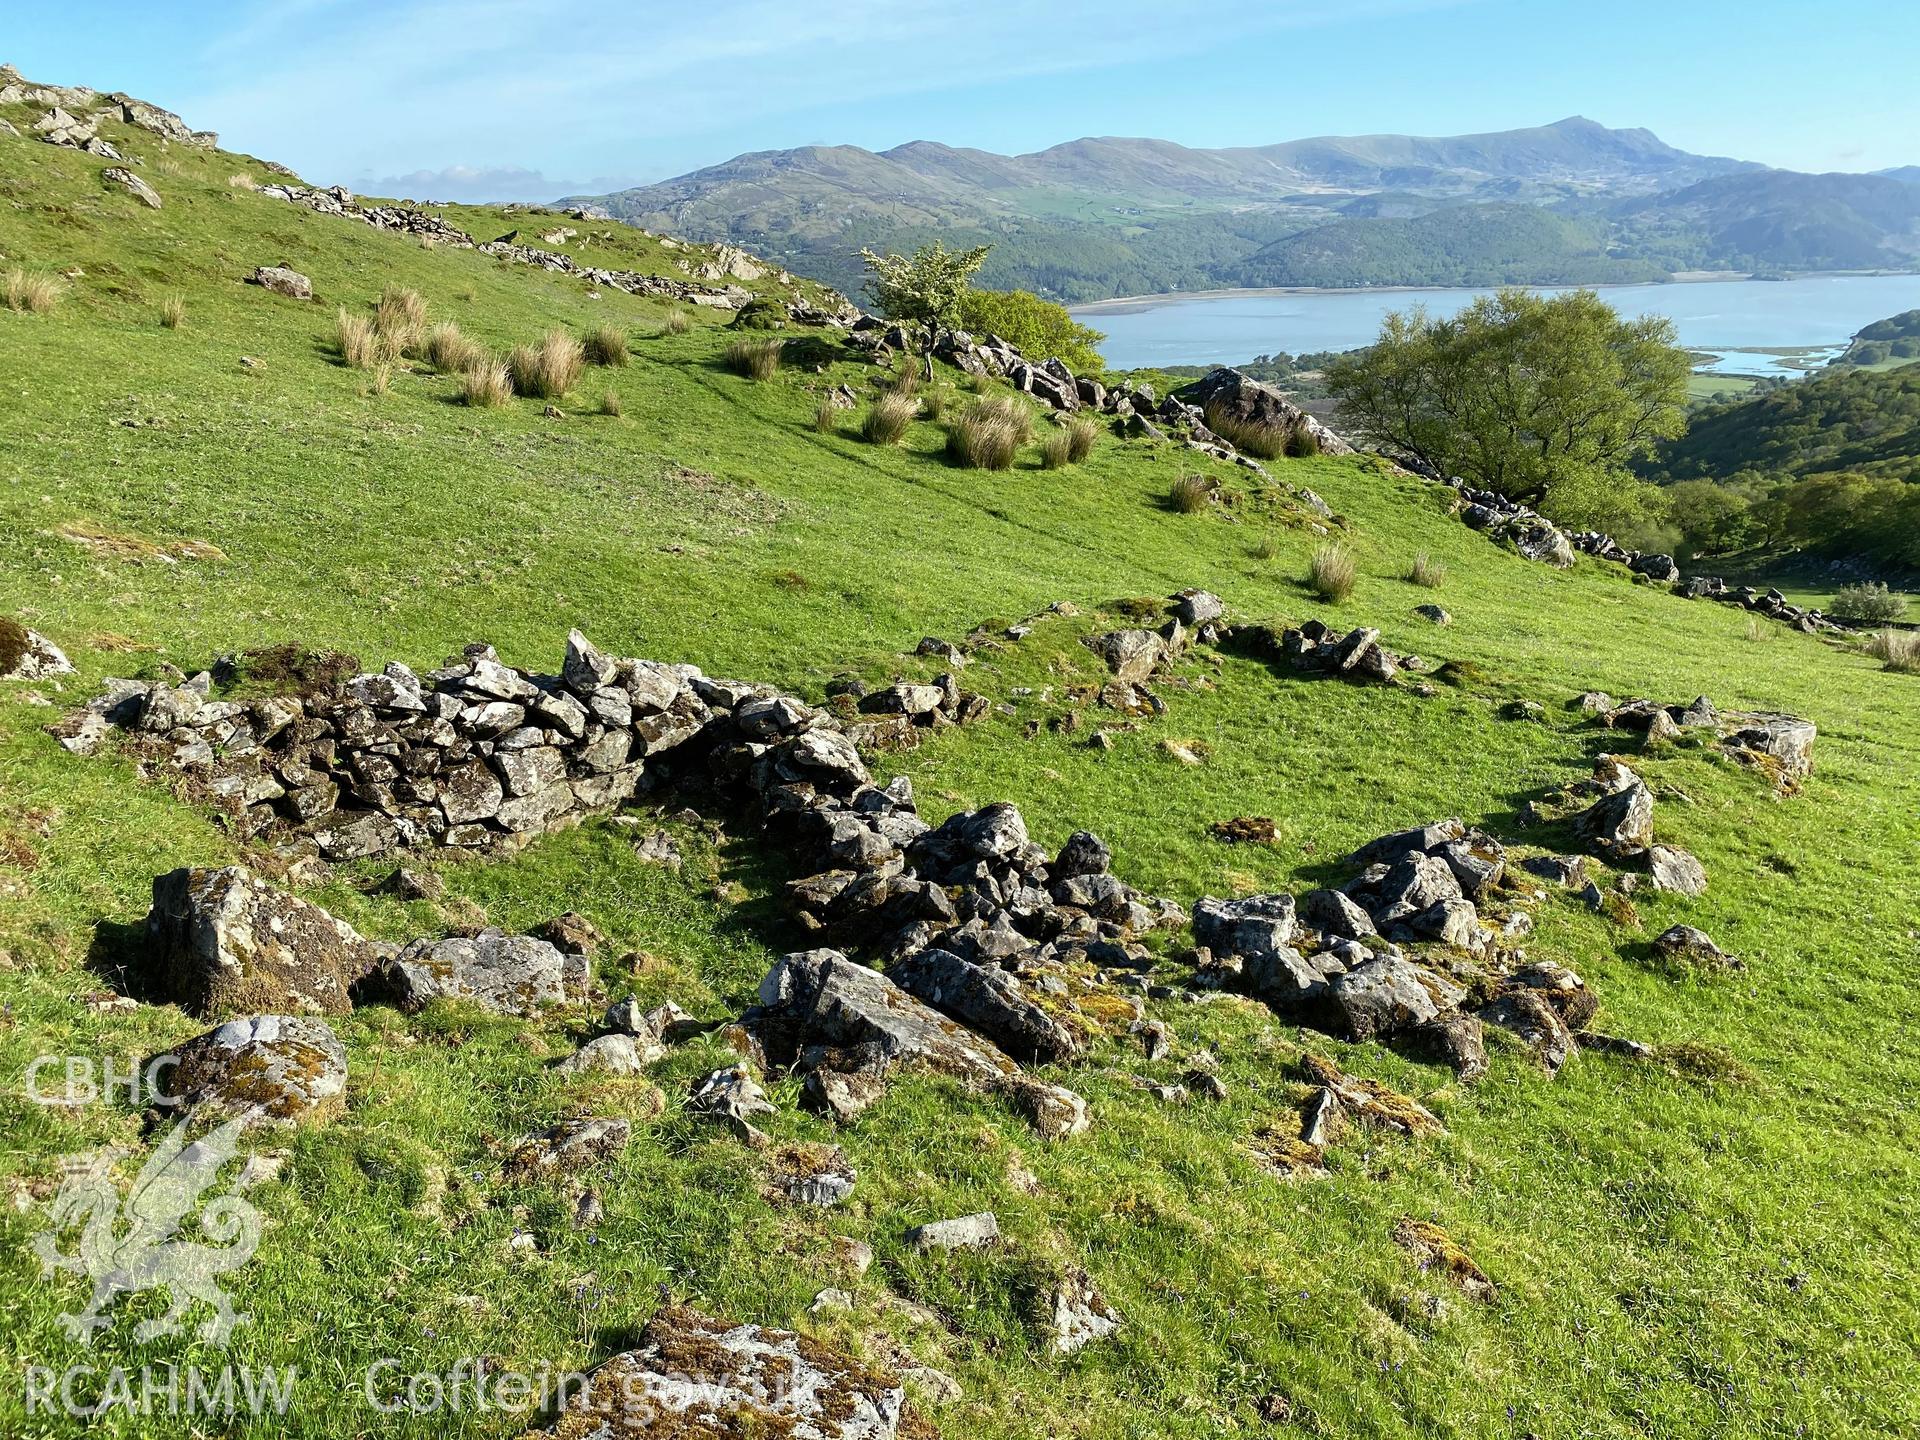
(1571,202)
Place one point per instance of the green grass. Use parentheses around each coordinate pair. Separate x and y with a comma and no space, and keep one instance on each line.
(1642,1223)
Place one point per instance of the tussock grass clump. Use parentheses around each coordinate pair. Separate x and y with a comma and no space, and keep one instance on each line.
(1331,573)
(359,341)
(400,315)
(1262,439)
(1870,604)
(607,345)
(988,434)
(906,380)
(610,404)
(933,405)
(826,416)
(1082,434)
(1897,650)
(886,422)
(1190,494)
(173,312)
(379,380)
(1268,548)
(31,294)
(1427,571)
(1302,443)
(678,322)
(1758,630)
(243,182)
(1055,451)
(755,359)
(548,370)
(486,385)
(450,350)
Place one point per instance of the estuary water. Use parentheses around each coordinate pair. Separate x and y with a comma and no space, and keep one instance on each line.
(1741,323)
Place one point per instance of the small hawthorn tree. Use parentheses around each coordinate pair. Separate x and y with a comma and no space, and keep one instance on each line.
(924,288)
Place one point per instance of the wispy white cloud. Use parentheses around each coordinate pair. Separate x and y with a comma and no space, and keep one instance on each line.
(340,88)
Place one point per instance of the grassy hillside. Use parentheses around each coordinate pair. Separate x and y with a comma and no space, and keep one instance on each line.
(1714,1243)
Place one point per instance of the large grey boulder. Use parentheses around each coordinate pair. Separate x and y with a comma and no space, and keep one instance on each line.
(271,1068)
(28,655)
(508,974)
(987,1000)
(1130,654)
(1530,1016)
(282,280)
(1384,996)
(1676,870)
(224,940)
(696,1376)
(1619,825)
(1249,402)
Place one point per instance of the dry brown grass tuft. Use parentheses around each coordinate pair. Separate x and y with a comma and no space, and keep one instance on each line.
(610,404)
(243,182)
(755,359)
(400,315)
(1082,434)
(826,416)
(1427,571)
(32,294)
(1259,439)
(359,341)
(451,351)
(173,312)
(548,370)
(886,422)
(1055,450)
(486,385)
(607,345)
(1331,573)
(1191,494)
(678,322)
(1897,650)
(987,435)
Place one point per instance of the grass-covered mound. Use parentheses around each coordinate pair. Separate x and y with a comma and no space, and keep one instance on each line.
(1713,1243)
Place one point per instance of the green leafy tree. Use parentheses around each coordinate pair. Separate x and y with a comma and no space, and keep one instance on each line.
(924,288)
(1546,399)
(1038,329)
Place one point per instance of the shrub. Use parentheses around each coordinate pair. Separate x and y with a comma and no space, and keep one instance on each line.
(548,370)
(451,351)
(1303,443)
(1081,435)
(1055,451)
(984,437)
(400,315)
(1427,571)
(1897,650)
(1330,574)
(486,385)
(33,294)
(886,422)
(1264,440)
(1871,604)
(755,359)
(1038,329)
(173,312)
(360,343)
(826,416)
(607,345)
(610,404)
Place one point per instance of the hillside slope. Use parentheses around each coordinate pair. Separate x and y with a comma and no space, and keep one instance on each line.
(1712,1240)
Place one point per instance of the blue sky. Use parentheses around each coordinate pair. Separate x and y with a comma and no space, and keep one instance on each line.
(514,99)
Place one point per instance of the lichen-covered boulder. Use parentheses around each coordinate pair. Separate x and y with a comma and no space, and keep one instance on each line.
(508,974)
(27,655)
(221,941)
(697,1376)
(270,1067)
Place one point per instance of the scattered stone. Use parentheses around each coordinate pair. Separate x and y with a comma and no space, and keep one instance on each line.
(613,1055)
(1369,1100)
(1528,1015)
(570,1145)
(1435,613)
(406,884)
(1078,1314)
(1619,825)
(733,1097)
(508,974)
(28,655)
(132,184)
(812,1175)
(571,933)
(695,1375)
(1695,947)
(1676,871)
(284,281)
(967,1232)
(1433,1249)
